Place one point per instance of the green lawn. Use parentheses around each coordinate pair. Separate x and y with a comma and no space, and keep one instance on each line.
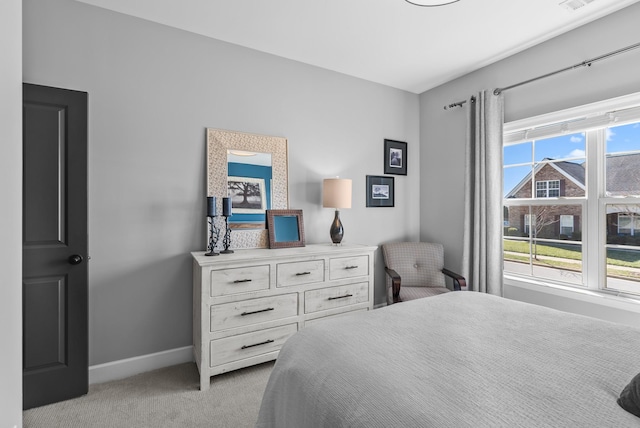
(567,251)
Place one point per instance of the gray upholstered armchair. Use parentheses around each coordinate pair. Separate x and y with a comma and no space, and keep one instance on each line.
(415,270)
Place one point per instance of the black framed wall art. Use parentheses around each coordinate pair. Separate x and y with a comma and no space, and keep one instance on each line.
(395,157)
(380,191)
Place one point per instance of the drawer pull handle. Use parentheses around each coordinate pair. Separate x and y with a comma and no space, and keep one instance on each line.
(238,281)
(351,267)
(256,312)
(303,273)
(257,344)
(340,297)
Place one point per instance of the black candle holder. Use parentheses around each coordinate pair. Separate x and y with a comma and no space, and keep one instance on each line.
(214,236)
(227,237)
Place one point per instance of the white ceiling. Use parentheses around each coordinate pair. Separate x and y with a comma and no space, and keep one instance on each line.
(385,41)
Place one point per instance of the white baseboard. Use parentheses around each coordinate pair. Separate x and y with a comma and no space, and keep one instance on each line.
(131,366)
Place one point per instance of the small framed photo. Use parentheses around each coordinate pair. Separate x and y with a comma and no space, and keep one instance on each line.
(380,192)
(285,228)
(395,157)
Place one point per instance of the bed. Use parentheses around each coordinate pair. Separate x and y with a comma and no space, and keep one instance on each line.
(460,359)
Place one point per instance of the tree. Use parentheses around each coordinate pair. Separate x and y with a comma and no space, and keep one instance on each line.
(540,218)
(244,189)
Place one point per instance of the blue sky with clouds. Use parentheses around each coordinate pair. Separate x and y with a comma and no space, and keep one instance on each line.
(569,147)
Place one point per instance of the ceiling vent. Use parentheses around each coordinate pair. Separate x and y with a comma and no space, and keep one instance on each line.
(575,4)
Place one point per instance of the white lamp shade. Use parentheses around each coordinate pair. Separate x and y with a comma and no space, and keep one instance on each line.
(336,193)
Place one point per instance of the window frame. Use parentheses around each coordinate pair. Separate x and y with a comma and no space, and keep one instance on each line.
(547,188)
(528,223)
(634,221)
(590,120)
(572,223)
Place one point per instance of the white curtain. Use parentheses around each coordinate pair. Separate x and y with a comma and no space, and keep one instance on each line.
(482,259)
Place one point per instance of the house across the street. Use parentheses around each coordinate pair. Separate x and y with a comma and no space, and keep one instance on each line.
(559,179)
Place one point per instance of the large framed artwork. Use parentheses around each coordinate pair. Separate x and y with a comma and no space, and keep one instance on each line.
(395,157)
(380,191)
(251,169)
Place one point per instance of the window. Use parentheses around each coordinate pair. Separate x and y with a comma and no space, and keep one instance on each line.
(548,189)
(572,197)
(529,222)
(628,224)
(566,225)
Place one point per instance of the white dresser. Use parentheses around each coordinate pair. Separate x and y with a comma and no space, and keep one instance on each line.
(246,304)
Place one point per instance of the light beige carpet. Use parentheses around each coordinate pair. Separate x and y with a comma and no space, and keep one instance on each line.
(168,397)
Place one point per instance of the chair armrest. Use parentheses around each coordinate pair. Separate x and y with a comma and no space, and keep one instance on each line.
(458,280)
(395,283)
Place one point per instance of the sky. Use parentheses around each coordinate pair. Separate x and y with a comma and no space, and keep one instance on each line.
(570,147)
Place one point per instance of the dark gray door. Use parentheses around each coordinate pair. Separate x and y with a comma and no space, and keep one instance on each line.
(54,270)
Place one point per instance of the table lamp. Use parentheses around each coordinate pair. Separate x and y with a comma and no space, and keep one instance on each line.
(336,193)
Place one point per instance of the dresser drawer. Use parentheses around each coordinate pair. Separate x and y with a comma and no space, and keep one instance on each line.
(253,311)
(249,345)
(335,297)
(348,267)
(298,273)
(329,317)
(239,280)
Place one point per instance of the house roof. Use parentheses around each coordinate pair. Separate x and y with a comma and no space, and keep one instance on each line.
(572,169)
(623,174)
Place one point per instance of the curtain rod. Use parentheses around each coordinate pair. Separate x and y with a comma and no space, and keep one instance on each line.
(452,105)
(586,63)
(459,103)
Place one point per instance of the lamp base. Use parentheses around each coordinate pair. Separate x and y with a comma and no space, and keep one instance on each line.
(336,231)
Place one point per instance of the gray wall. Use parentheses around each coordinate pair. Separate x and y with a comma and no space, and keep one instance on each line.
(152,92)
(11,213)
(442,133)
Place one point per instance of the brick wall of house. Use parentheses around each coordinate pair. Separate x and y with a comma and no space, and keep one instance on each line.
(551,213)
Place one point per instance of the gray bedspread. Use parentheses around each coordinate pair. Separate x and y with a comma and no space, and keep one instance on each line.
(461,359)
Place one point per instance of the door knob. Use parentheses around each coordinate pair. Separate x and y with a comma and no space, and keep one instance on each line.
(75,259)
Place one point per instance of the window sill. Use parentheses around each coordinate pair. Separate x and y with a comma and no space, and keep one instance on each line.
(621,302)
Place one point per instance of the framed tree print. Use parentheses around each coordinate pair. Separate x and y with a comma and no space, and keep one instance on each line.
(395,157)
